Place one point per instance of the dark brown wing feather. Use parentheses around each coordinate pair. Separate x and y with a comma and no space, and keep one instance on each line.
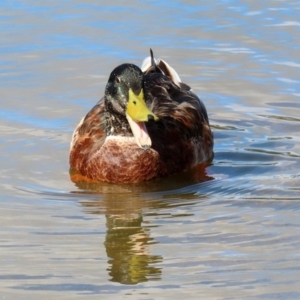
(182,136)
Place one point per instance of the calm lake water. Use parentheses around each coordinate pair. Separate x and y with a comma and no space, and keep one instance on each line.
(231,231)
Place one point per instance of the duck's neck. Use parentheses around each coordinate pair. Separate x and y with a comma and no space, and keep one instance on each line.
(116,124)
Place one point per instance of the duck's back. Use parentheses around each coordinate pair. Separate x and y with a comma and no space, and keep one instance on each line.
(182,136)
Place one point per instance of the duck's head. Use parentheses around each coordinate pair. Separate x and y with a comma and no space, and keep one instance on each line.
(125,102)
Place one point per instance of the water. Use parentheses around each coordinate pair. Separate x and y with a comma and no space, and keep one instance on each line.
(231,231)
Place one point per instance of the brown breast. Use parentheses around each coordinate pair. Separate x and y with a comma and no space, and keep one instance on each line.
(120,160)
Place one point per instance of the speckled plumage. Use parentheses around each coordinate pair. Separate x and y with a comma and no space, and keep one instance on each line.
(104,149)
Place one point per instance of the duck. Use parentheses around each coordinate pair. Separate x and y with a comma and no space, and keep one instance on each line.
(148,125)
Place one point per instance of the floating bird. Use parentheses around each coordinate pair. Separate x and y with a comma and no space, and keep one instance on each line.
(148,125)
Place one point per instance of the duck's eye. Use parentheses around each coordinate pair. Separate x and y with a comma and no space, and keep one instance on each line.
(118,79)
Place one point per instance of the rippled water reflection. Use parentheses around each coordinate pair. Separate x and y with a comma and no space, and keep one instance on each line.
(229,231)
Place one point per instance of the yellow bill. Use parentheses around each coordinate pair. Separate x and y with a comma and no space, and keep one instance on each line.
(137,113)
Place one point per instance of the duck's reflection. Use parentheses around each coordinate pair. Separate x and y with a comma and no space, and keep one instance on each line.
(128,242)
(128,245)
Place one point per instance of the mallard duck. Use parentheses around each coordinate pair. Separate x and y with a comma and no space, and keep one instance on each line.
(148,125)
